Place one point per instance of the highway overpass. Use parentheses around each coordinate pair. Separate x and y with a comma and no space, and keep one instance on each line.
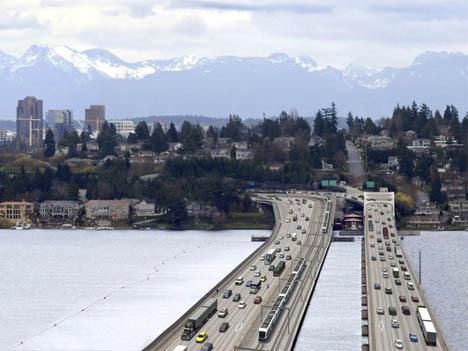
(310,217)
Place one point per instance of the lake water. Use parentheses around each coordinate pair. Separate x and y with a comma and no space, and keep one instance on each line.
(444,280)
(106,290)
(333,319)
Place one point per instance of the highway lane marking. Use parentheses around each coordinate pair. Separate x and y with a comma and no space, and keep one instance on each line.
(381,326)
(239,327)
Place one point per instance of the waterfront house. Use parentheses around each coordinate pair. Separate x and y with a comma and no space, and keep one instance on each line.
(111,210)
(17,211)
(59,211)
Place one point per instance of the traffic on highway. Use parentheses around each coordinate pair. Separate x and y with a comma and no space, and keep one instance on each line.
(398,316)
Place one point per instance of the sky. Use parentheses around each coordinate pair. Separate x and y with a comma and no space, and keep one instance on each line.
(333,32)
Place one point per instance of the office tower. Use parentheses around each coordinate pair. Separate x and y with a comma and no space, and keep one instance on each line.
(29,123)
(95,116)
(123,127)
(59,121)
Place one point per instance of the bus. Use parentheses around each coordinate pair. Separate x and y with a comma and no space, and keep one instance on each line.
(396,272)
(397,250)
(279,268)
(270,256)
(427,327)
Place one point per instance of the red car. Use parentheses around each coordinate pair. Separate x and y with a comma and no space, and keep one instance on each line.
(257,300)
(402,298)
(403,268)
(414,298)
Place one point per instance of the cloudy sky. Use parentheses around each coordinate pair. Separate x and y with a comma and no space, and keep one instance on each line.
(335,32)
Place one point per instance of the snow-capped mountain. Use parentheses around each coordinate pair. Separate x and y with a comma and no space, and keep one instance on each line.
(249,86)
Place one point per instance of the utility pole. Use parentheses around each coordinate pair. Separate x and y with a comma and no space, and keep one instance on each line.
(420,266)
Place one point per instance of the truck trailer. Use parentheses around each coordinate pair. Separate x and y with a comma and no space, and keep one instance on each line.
(199,318)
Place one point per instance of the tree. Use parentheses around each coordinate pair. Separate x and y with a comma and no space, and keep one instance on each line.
(319,124)
(132,138)
(49,144)
(142,131)
(107,140)
(177,213)
(436,194)
(233,128)
(172,135)
(233,153)
(159,141)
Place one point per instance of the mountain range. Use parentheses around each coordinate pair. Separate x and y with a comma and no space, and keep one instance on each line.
(248,86)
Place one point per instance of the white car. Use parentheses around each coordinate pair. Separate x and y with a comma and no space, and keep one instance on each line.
(242,304)
(395,323)
(262,258)
(280,237)
(399,344)
(380,310)
(410,286)
(253,267)
(239,280)
(257,273)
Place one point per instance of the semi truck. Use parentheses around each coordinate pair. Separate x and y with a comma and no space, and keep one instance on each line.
(427,327)
(199,318)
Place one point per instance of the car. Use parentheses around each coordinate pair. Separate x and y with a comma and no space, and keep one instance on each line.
(406,310)
(288,220)
(239,280)
(288,257)
(201,337)
(403,268)
(372,245)
(385,274)
(271,268)
(389,249)
(413,337)
(286,248)
(382,258)
(376,286)
(394,240)
(397,282)
(406,275)
(380,249)
(395,323)
(262,258)
(242,304)
(253,267)
(390,257)
(223,312)
(257,300)
(371,236)
(303,231)
(298,227)
(277,242)
(307,219)
(414,298)
(207,347)
(280,237)
(392,264)
(388,290)
(236,297)
(380,310)
(381,253)
(402,298)
(373,258)
(227,293)
(400,261)
(281,255)
(379,240)
(258,274)
(410,286)
(248,283)
(263,278)
(392,311)
(384,269)
(399,344)
(288,235)
(278,249)
(223,327)
(299,242)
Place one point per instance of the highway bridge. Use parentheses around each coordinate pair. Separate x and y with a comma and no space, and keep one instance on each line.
(300,239)
(393,292)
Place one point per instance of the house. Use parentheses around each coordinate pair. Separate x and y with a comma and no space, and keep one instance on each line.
(111,210)
(144,209)
(458,206)
(421,142)
(195,209)
(15,211)
(420,150)
(327,166)
(454,190)
(59,211)
(240,145)
(244,154)
(284,143)
(460,219)
(224,142)
(423,221)
(427,209)
(393,161)
(379,142)
(175,146)
(220,153)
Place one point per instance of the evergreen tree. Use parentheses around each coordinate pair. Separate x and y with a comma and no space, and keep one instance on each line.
(49,144)
(436,194)
(107,140)
(233,153)
(159,141)
(142,131)
(319,124)
(132,138)
(172,135)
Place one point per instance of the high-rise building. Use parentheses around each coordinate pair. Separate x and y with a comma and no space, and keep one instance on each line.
(29,123)
(59,121)
(123,127)
(95,116)
(3,136)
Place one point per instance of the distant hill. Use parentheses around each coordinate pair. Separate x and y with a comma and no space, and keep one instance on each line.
(248,86)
